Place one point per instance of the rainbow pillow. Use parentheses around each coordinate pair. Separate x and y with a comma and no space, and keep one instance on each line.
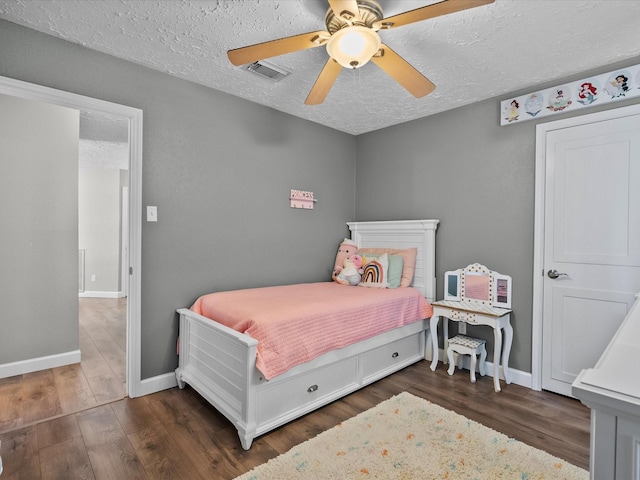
(375,272)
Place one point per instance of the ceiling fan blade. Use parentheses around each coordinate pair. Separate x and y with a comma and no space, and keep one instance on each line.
(403,72)
(273,48)
(323,84)
(430,11)
(340,6)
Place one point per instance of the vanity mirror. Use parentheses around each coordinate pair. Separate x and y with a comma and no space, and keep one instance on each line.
(452,285)
(477,284)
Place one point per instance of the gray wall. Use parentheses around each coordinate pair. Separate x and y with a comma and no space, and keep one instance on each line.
(220,170)
(99,199)
(38,229)
(477,178)
(204,150)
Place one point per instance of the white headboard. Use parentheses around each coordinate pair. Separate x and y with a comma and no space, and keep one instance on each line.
(404,234)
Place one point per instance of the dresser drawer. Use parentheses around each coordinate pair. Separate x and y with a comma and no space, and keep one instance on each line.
(468,317)
(387,358)
(280,397)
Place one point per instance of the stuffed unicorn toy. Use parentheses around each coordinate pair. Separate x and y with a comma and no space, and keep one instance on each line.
(351,271)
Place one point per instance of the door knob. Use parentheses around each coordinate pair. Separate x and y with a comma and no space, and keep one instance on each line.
(555,274)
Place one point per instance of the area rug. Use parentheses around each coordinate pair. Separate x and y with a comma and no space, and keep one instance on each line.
(408,438)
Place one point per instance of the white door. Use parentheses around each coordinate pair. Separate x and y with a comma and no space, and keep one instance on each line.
(591,263)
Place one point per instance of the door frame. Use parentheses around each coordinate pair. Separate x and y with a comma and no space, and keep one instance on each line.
(542,130)
(124,244)
(30,91)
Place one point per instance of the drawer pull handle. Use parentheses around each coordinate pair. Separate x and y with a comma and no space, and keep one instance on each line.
(395,355)
(312,388)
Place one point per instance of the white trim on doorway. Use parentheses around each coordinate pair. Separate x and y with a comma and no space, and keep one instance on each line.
(538,256)
(43,94)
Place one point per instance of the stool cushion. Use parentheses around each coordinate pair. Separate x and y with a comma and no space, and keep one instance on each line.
(465,341)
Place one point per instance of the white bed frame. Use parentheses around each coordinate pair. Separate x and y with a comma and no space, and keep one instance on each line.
(219,363)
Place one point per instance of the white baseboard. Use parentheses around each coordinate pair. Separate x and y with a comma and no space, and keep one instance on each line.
(518,377)
(90,294)
(155,384)
(40,363)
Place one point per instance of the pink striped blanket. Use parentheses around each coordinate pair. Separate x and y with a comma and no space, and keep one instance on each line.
(296,323)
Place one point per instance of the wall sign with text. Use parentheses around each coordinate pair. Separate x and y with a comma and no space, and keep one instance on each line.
(301,199)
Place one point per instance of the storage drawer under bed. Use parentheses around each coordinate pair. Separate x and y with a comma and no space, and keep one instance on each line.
(378,362)
(277,398)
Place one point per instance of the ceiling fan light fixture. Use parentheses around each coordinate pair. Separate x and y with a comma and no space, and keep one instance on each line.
(353,46)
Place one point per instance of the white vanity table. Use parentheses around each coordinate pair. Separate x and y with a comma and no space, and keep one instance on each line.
(476,295)
(612,390)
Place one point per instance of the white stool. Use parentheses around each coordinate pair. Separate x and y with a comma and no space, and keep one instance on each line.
(463,345)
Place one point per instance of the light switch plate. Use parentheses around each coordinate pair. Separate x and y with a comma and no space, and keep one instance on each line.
(152,214)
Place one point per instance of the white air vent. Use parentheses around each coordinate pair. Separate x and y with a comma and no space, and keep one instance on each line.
(266,69)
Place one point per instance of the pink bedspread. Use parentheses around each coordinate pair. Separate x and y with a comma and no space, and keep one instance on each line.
(296,323)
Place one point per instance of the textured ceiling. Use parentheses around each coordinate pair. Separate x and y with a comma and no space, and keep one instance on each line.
(101,127)
(471,55)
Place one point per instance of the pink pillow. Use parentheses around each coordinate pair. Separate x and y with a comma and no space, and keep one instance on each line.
(408,257)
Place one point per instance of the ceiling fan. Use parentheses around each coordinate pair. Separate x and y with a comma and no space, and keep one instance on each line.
(352,40)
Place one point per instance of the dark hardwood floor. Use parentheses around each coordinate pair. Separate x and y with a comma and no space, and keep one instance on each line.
(98,379)
(175,434)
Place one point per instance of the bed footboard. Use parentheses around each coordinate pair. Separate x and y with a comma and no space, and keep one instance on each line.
(218,363)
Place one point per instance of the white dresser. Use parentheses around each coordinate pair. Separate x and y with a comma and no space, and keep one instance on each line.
(612,391)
